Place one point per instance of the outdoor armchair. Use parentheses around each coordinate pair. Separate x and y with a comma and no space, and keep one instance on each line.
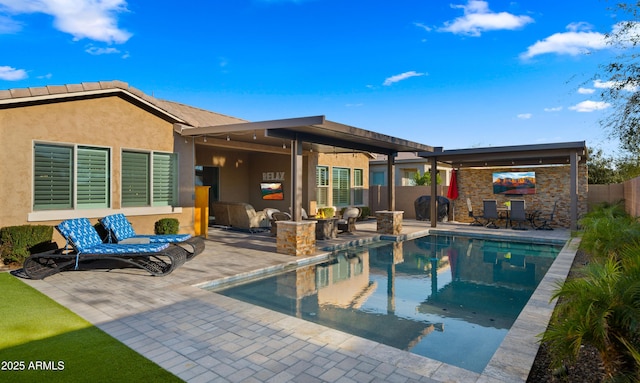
(83,243)
(347,224)
(121,231)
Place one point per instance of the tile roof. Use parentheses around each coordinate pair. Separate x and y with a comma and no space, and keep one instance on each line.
(195,117)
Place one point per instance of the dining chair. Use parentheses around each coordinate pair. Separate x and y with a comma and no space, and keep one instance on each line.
(490,213)
(517,214)
(475,222)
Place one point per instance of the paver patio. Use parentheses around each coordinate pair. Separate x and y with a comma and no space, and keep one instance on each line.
(206,337)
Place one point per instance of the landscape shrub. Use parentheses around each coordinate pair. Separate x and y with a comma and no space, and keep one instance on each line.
(607,229)
(366,212)
(601,307)
(167,226)
(18,242)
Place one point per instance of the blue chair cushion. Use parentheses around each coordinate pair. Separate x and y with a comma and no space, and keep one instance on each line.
(85,239)
(119,226)
(115,248)
(79,233)
(165,238)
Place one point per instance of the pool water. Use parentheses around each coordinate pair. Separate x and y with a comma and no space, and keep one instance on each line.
(452,299)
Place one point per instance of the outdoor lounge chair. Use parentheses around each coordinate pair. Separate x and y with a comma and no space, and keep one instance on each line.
(121,231)
(475,222)
(84,244)
(490,213)
(347,224)
(517,214)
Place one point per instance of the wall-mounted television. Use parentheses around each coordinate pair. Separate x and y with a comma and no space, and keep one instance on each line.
(272,191)
(514,183)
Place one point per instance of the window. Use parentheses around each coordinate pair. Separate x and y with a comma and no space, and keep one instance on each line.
(341,187)
(378,178)
(322,185)
(408,177)
(70,176)
(358,187)
(148,177)
(164,180)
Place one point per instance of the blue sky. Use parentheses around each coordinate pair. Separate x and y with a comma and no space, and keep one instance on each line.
(456,73)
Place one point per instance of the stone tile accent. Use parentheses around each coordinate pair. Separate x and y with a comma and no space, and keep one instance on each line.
(296,238)
(552,183)
(389,222)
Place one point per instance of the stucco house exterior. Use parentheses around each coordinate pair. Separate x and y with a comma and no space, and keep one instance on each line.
(97,148)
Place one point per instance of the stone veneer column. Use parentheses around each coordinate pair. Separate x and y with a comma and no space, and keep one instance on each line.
(296,238)
(389,222)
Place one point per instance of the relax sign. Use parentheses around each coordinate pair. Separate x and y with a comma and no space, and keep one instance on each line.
(273,176)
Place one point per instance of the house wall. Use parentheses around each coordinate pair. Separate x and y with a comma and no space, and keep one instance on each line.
(111,122)
(234,171)
(268,164)
(552,183)
(342,160)
(400,167)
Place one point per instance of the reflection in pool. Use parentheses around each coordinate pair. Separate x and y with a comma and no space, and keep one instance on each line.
(451,299)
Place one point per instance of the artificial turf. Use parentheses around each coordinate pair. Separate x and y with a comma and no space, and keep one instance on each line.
(40,340)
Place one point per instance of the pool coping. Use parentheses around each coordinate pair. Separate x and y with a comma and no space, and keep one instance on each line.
(514,358)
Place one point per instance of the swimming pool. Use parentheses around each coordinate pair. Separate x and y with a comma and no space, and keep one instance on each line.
(449,298)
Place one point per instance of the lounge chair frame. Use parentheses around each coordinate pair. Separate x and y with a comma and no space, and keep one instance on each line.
(42,265)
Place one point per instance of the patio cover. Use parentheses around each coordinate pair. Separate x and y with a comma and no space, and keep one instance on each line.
(561,153)
(311,133)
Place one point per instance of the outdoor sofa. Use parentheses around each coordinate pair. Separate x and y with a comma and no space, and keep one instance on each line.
(239,215)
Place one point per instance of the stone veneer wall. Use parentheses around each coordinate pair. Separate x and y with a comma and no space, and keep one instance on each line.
(296,238)
(389,222)
(552,183)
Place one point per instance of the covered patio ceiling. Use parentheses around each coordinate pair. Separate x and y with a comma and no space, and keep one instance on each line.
(519,155)
(315,132)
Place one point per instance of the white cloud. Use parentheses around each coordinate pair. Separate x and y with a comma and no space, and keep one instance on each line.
(586,91)
(553,109)
(90,19)
(402,76)
(525,116)
(613,84)
(590,106)
(422,26)
(101,51)
(478,18)
(12,74)
(577,40)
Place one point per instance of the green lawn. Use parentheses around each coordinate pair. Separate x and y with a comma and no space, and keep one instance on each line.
(45,341)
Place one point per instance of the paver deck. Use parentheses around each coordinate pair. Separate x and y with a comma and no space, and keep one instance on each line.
(201,336)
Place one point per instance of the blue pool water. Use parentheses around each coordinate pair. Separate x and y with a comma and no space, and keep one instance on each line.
(452,299)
